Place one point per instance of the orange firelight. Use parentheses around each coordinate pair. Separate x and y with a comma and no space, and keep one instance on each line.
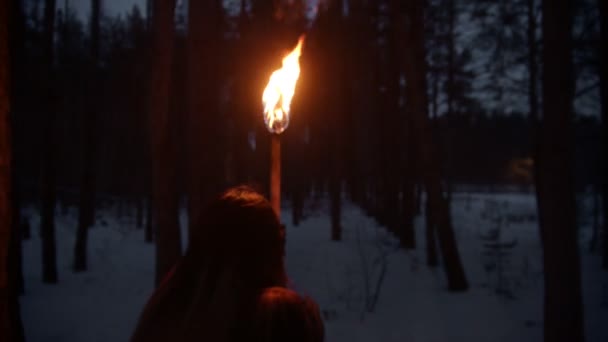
(280,90)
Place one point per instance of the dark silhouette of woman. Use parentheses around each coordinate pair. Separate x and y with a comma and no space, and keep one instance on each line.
(231,282)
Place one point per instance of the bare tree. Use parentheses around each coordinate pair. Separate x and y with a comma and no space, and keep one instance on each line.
(604,101)
(403,135)
(204,33)
(17,29)
(415,72)
(49,196)
(532,61)
(330,24)
(5,175)
(87,188)
(15,259)
(10,322)
(556,201)
(164,196)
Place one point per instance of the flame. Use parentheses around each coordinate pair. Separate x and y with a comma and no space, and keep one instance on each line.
(280,89)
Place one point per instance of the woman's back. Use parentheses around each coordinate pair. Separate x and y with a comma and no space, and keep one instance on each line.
(213,294)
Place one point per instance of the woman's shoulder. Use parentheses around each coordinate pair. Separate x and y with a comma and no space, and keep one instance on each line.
(281,298)
(279,293)
(284,315)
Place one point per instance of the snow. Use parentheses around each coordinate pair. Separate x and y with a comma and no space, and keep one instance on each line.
(103,303)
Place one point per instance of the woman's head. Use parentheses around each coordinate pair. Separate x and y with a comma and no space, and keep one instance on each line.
(240,230)
(282,315)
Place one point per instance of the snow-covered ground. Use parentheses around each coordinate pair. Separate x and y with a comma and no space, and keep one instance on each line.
(409,303)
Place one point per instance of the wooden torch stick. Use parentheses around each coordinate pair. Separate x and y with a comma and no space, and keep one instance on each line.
(275,174)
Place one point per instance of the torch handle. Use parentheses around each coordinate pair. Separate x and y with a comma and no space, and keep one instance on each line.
(275,174)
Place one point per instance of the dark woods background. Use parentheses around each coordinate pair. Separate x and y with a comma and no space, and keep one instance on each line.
(101,104)
(160,108)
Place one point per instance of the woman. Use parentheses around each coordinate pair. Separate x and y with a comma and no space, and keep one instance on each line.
(219,286)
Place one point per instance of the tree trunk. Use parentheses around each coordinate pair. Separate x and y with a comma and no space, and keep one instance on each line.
(333,106)
(451,9)
(49,196)
(16,251)
(595,226)
(5,176)
(203,121)
(20,224)
(401,137)
(86,215)
(415,72)
(532,65)
(15,262)
(435,96)
(149,231)
(532,91)
(532,94)
(11,329)
(604,101)
(297,201)
(408,237)
(563,315)
(139,212)
(164,196)
(450,94)
(431,243)
(335,197)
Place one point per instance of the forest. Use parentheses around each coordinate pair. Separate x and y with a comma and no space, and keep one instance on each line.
(406,112)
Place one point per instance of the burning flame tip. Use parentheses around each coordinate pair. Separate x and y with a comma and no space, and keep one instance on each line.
(280,90)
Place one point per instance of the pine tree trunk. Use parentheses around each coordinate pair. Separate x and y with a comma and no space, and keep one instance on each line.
(164,196)
(532,91)
(335,176)
(399,146)
(139,212)
(334,184)
(595,226)
(450,90)
(149,231)
(409,191)
(11,328)
(334,106)
(297,202)
(451,11)
(415,72)
(435,96)
(604,102)
(563,315)
(16,250)
(408,237)
(15,265)
(5,176)
(239,144)
(532,64)
(86,214)
(20,225)
(431,242)
(532,96)
(335,207)
(203,120)
(49,196)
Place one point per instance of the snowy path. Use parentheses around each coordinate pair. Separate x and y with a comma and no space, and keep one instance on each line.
(103,304)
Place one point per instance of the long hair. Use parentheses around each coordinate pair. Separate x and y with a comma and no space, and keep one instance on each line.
(210,295)
(282,315)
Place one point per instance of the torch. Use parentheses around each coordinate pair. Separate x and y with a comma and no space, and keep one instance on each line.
(277,101)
